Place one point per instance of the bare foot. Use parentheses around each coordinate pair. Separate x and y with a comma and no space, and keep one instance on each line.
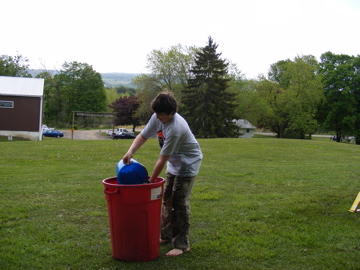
(177,252)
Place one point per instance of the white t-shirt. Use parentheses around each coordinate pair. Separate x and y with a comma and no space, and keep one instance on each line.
(177,141)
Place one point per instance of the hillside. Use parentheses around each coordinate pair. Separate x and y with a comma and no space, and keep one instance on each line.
(117,79)
(112,79)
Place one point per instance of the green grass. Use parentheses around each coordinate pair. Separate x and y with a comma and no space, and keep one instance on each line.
(261,203)
(5,138)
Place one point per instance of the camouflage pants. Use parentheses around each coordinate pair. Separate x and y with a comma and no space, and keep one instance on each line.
(175,213)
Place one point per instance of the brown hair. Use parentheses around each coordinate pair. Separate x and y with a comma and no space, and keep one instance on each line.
(164,102)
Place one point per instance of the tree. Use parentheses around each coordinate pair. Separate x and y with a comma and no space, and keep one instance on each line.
(356,91)
(78,88)
(15,66)
(305,93)
(208,106)
(249,104)
(114,93)
(148,89)
(275,117)
(52,99)
(125,90)
(169,70)
(292,92)
(277,73)
(125,109)
(341,112)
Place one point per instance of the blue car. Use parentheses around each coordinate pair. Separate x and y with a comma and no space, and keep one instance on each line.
(123,136)
(53,133)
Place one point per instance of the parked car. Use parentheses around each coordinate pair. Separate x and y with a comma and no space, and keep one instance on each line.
(123,136)
(118,131)
(53,133)
(46,128)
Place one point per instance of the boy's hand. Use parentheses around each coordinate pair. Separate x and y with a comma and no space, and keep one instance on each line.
(127,158)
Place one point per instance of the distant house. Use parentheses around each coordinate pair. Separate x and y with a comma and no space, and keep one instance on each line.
(246,129)
(21,101)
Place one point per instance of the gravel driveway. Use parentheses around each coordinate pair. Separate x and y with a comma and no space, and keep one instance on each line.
(94,134)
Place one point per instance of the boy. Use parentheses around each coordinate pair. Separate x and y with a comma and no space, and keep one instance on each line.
(182,153)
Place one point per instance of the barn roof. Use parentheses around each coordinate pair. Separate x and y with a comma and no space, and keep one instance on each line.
(20,86)
(243,123)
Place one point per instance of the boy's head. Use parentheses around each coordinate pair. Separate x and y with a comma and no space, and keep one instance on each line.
(164,103)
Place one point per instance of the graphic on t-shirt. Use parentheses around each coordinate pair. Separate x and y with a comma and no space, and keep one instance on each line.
(161,138)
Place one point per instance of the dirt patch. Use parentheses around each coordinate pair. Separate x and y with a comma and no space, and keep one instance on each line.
(94,134)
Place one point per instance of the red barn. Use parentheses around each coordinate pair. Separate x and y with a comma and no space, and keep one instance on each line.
(21,101)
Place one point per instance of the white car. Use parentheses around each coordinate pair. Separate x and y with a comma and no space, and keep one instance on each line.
(46,128)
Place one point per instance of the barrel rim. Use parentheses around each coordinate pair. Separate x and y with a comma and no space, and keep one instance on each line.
(106,183)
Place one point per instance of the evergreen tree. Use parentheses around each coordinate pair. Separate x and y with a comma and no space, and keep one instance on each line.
(207,104)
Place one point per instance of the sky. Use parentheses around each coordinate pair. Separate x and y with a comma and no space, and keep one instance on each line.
(117,35)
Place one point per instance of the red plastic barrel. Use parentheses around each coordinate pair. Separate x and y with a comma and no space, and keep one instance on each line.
(134,217)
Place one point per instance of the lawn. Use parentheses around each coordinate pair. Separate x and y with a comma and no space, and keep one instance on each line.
(261,203)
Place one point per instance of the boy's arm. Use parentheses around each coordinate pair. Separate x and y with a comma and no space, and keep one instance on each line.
(137,143)
(160,163)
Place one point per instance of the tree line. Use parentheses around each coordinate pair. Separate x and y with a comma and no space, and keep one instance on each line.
(297,98)
(76,87)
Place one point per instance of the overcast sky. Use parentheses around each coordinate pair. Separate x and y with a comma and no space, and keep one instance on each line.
(117,35)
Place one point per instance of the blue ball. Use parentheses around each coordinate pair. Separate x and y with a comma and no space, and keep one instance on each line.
(132,174)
